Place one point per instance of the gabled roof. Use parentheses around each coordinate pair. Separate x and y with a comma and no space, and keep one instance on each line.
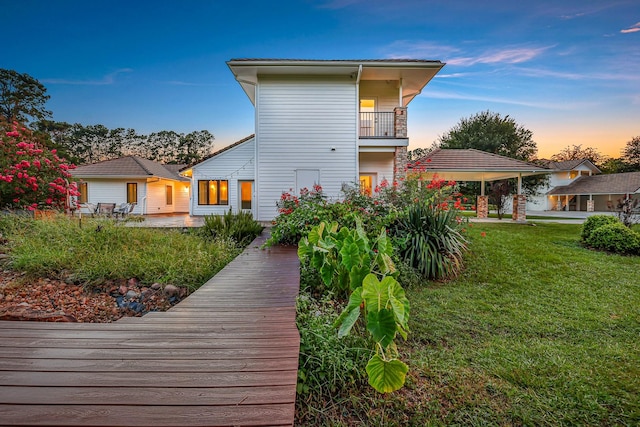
(222,150)
(128,167)
(414,73)
(474,165)
(568,165)
(615,183)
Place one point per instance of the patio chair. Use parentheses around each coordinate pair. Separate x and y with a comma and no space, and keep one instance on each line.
(105,209)
(124,209)
(87,208)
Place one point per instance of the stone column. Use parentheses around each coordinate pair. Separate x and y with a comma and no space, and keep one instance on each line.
(400,164)
(591,205)
(400,122)
(482,207)
(519,208)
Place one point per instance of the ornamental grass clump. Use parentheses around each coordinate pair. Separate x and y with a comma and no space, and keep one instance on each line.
(428,233)
(240,226)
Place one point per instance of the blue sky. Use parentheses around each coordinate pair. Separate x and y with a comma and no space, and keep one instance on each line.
(568,70)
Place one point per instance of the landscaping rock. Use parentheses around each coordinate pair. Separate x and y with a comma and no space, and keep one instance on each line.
(171,291)
(156,286)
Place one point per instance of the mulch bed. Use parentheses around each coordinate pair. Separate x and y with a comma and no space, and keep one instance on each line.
(43,299)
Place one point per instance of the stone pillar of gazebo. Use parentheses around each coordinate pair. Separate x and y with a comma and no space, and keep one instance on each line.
(519,208)
(482,207)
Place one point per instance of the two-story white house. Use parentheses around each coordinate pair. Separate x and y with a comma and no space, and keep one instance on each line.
(562,174)
(325,122)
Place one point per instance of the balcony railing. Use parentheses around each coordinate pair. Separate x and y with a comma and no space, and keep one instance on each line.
(377,125)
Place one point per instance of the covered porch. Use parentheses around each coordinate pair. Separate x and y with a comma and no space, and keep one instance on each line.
(478,166)
(596,193)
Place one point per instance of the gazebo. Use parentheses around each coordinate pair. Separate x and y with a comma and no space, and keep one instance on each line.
(479,166)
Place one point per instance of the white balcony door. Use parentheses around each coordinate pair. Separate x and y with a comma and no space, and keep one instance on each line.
(368,107)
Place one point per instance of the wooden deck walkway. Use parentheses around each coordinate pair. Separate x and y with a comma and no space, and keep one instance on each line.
(226,355)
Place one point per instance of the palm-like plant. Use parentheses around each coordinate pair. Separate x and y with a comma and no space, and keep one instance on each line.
(430,240)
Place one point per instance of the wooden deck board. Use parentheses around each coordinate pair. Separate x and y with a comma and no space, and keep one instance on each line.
(226,355)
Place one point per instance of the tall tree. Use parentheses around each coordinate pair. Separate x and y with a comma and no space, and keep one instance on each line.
(631,153)
(22,97)
(576,152)
(418,153)
(490,132)
(194,146)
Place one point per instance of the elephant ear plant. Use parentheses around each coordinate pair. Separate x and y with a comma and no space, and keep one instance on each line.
(351,266)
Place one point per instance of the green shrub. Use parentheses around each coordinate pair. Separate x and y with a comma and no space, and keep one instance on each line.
(594,222)
(241,227)
(615,237)
(429,239)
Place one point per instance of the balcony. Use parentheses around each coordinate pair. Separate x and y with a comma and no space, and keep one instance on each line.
(384,125)
(383,129)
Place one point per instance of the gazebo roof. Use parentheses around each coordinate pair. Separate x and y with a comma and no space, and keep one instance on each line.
(473,165)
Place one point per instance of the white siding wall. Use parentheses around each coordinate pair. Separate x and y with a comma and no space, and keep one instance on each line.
(298,122)
(380,163)
(157,197)
(114,191)
(181,194)
(235,164)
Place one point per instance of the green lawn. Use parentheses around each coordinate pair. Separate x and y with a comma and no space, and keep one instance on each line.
(536,331)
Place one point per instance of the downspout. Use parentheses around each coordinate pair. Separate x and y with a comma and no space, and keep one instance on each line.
(357,130)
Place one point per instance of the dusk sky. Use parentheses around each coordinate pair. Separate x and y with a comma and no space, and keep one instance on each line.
(568,70)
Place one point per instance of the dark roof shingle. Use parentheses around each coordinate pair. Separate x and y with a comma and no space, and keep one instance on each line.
(616,183)
(473,160)
(130,167)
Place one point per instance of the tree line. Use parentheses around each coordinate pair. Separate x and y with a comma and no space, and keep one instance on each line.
(23,99)
(95,143)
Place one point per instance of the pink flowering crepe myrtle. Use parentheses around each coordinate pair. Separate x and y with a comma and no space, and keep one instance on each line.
(32,176)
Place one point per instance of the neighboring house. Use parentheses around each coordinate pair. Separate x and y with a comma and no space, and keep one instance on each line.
(154,187)
(326,122)
(598,192)
(562,174)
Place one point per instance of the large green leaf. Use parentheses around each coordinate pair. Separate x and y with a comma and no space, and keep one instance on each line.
(385,263)
(349,321)
(355,300)
(399,304)
(326,273)
(304,248)
(350,253)
(382,326)
(374,292)
(357,275)
(315,234)
(386,376)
